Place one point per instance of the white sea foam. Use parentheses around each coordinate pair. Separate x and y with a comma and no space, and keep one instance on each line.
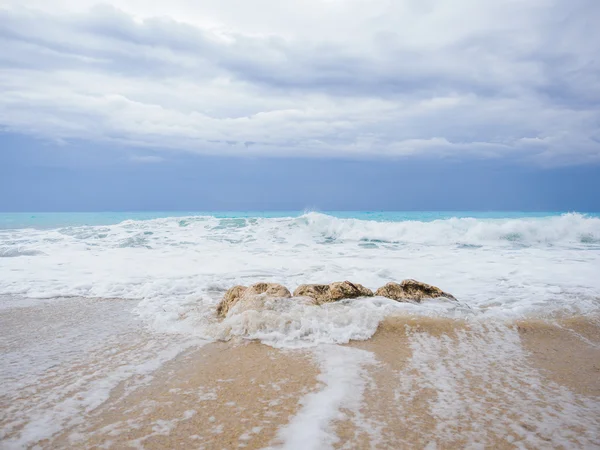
(343,377)
(289,324)
(178,268)
(61,361)
(473,387)
(481,385)
(565,229)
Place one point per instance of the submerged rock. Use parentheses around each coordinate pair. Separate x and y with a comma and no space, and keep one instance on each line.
(269,289)
(230,298)
(318,292)
(346,289)
(237,293)
(326,293)
(411,290)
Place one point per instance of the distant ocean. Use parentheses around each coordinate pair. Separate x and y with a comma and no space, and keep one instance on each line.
(55,220)
(89,301)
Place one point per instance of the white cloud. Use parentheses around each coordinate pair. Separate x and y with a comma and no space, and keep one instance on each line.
(317,78)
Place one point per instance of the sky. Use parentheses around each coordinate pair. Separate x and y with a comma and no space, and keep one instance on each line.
(324,104)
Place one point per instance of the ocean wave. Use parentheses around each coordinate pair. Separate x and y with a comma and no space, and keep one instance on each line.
(465,233)
(13,252)
(571,228)
(468,233)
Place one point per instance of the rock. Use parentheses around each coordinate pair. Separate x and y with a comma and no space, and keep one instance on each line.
(411,290)
(346,289)
(230,298)
(269,289)
(318,292)
(326,293)
(237,293)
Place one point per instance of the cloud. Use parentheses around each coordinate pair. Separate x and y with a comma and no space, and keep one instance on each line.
(351,78)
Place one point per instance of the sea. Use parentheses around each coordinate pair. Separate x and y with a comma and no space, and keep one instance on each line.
(101,311)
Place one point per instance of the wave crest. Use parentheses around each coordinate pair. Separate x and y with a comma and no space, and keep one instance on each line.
(571,228)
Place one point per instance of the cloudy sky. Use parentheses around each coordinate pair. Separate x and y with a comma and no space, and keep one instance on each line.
(500,85)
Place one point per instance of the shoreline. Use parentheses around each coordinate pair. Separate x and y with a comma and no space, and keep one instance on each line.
(416,382)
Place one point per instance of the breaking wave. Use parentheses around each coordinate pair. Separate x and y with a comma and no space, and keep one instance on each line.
(570,228)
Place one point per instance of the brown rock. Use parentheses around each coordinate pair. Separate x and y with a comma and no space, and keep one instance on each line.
(318,292)
(346,289)
(411,290)
(237,293)
(230,298)
(269,289)
(326,293)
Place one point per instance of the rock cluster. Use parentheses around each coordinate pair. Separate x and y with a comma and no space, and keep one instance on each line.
(406,291)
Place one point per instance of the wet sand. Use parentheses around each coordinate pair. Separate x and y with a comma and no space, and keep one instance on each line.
(566,352)
(223,395)
(458,388)
(415,383)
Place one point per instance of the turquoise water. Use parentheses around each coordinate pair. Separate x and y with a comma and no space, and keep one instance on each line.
(54,220)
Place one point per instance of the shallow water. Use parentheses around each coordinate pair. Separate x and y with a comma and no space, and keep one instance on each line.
(99,312)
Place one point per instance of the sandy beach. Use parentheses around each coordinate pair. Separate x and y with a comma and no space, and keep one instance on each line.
(417,383)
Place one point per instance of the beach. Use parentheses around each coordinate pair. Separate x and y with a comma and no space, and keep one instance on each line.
(415,383)
(110,337)
(300,225)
